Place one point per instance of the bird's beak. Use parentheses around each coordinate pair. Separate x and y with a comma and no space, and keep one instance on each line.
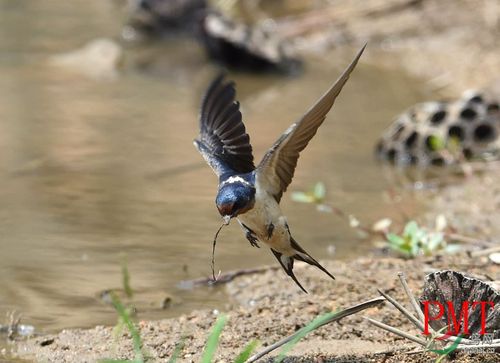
(226,219)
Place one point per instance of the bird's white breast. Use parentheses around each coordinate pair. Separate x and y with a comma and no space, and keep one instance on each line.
(265,211)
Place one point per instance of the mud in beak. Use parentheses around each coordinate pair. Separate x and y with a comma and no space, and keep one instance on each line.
(226,219)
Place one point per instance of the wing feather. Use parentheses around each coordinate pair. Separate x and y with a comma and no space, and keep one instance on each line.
(278,165)
(223,140)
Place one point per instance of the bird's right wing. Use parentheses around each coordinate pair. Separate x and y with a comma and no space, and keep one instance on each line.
(223,141)
(275,171)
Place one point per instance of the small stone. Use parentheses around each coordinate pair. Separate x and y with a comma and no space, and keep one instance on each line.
(46,342)
(495,257)
(166,302)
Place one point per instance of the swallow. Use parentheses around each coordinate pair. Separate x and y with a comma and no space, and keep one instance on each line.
(252,194)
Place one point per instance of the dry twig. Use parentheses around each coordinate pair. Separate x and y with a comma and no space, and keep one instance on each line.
(225,277)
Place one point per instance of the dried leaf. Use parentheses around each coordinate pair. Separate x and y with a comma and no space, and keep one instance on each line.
(382,225)
(441,223)
(353,222)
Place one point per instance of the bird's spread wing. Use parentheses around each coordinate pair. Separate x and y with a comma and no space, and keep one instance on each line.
(223,140)
(277,167)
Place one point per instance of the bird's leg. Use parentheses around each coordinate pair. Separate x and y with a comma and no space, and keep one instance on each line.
(251,237)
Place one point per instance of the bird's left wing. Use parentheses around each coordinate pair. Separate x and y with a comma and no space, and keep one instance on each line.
(223,141)
(275,171)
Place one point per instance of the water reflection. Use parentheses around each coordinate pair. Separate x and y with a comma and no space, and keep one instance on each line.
(91,170)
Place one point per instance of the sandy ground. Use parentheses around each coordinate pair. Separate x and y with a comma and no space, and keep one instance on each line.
(267,307)
(471,205)
(453,48)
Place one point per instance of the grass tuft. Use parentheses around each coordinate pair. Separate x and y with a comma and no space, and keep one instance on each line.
(125,318)
(213,339)
(243,356)
(126,279)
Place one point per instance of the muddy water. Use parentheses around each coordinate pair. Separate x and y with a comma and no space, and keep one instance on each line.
(91,171)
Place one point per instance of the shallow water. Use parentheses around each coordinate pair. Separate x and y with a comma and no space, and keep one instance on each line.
(92,171)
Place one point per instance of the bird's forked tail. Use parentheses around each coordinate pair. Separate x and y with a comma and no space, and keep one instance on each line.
(287,261)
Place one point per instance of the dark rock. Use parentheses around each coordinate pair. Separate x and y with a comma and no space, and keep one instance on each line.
(227,41)
(156,17)
(240,46)
(451,286)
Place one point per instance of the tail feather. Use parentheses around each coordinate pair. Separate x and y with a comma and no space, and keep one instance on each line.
(287,264)
(303,256)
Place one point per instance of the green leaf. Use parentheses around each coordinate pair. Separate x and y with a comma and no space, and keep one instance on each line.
(243,356)
(302,197)
(319,192)
(405,250)
(213,339)
(316,195)
(395,240)
(411,229)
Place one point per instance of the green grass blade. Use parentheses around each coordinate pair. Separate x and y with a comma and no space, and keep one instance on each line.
(213,339)
(177,351)
(317,322)
(126,279)
(125,316)
(243,356)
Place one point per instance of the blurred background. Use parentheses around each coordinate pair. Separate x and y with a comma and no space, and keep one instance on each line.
(98,109)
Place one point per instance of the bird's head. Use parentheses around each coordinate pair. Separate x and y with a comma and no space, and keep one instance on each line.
(234,199)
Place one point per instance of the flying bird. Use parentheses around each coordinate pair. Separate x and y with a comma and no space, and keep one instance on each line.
(252,194)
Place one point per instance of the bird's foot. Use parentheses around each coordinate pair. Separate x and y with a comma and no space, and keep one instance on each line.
(252,239)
